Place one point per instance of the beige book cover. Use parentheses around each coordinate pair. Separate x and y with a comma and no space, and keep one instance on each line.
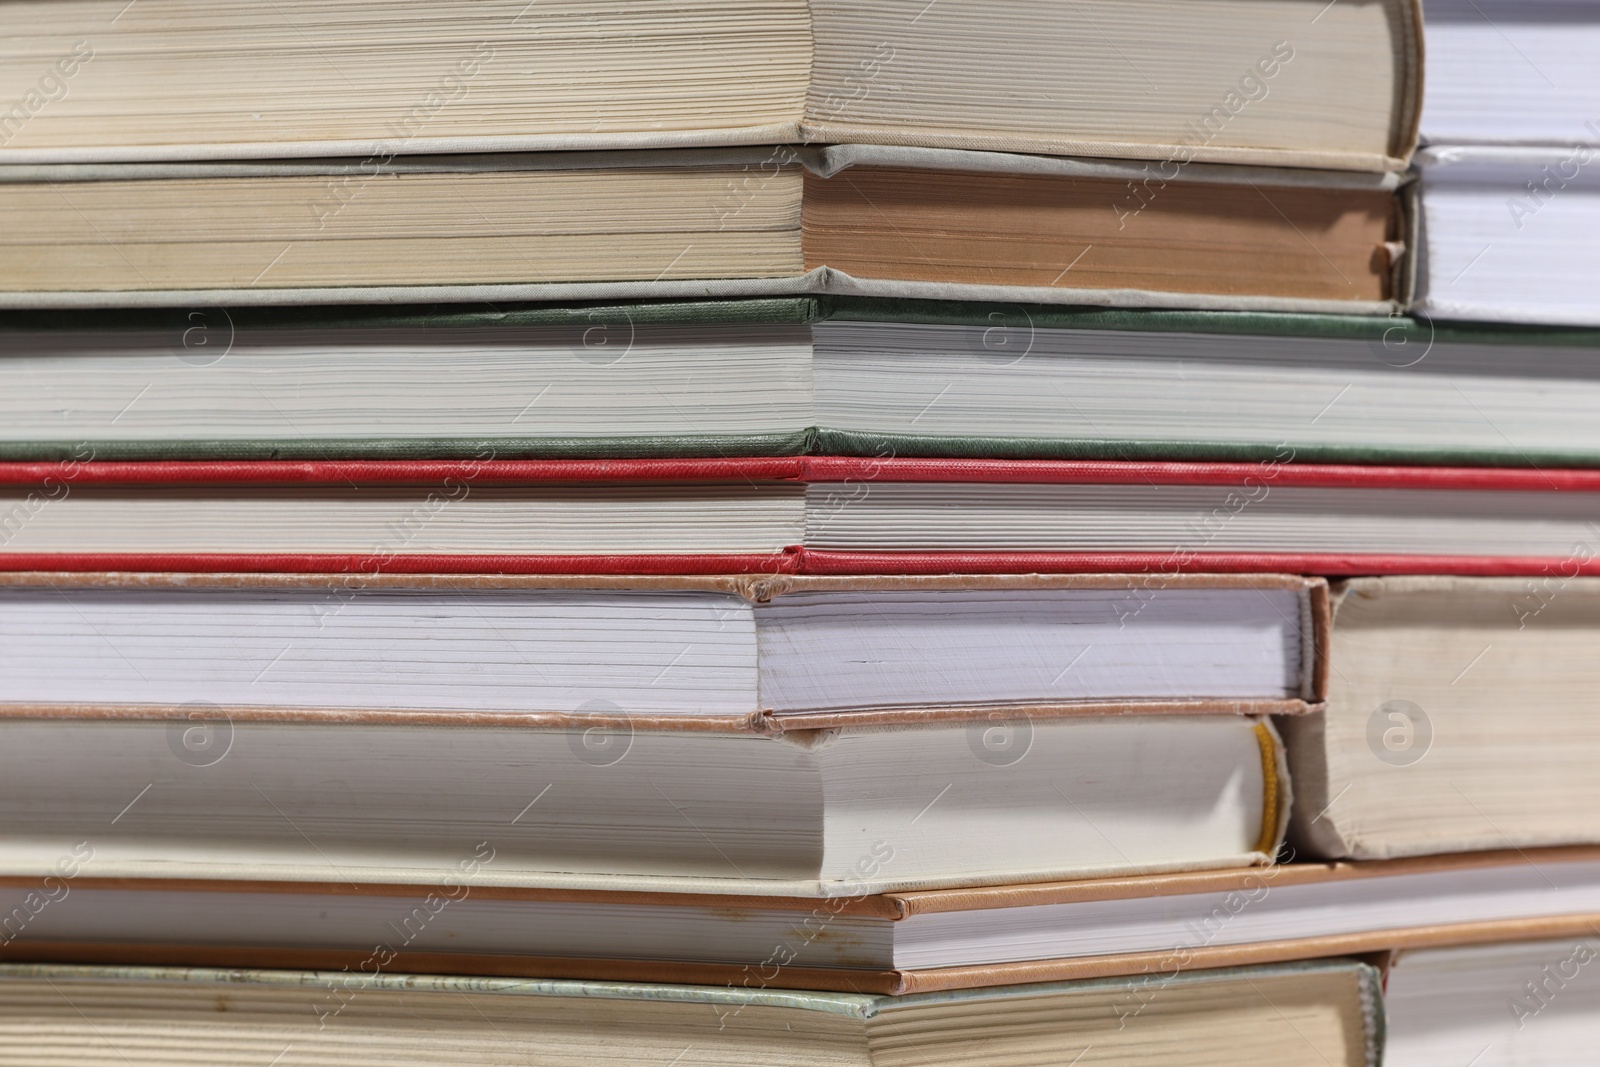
(1461,716)
(1177,81)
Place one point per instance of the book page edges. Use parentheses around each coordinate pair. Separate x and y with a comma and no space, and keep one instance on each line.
(755,589)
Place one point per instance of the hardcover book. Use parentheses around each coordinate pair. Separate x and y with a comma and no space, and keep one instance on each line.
(1155,927)
(1282,82)
(761,654)
(1460,716)
(822,375)
(798,515)
(1273,1016)
(874,220)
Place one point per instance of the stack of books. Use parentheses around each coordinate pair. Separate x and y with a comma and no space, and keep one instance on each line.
(789,532)
(1490,689)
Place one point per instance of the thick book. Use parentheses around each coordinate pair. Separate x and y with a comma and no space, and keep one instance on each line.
(1512,72)
(1154,927)
(1516,1004)
(996,800)
(819,375)
(874,220)
(1460,716)
(1509,234)
(1329,1012)
(791,515)
(1285,82)
(739,735)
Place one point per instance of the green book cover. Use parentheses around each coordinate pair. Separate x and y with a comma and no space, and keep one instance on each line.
(1400,342)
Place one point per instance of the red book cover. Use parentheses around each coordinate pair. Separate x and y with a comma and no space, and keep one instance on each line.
(58,480)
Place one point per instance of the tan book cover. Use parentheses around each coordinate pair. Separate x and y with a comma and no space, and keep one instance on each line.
(888,221)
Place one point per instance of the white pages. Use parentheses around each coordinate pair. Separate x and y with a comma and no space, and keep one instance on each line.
(649,654)
(1511,72)
(1511,235)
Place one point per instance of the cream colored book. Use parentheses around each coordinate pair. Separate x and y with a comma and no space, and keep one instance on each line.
(807,813)
(1329,1013)
(1461,716)
(1282,82)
